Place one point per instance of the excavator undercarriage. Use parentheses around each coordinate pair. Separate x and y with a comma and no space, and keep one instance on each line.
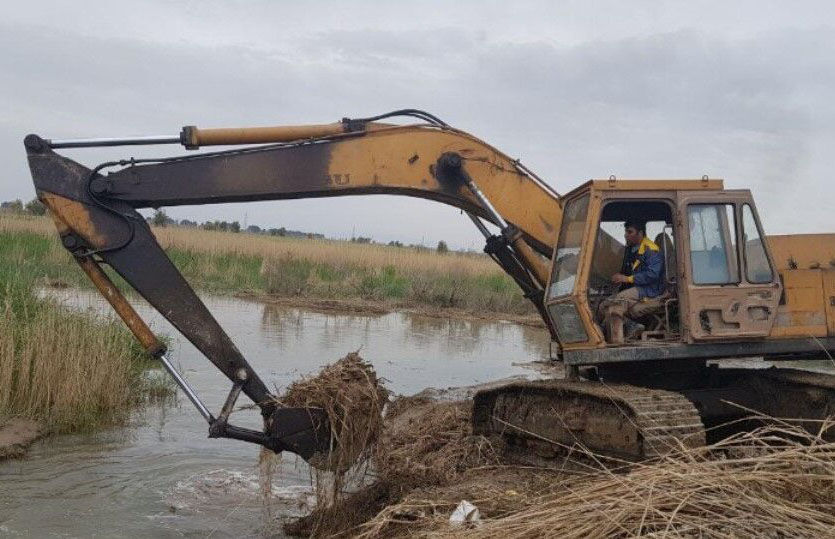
(613,416)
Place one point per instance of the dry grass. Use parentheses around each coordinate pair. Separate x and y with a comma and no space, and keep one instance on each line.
(773,482)
(68,370)
(226,262)
(317,251)
(777,481)
(64,369)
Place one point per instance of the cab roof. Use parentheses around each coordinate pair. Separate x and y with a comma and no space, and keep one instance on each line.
(616,184)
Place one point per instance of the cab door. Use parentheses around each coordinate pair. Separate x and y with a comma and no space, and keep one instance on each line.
(732,289)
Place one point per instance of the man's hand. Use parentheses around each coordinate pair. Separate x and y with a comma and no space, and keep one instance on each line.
(620,278)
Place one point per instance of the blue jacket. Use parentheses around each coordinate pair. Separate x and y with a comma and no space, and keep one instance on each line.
(645,268)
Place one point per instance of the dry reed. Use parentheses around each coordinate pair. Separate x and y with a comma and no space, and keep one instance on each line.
(65,369)
(429,443)
(773,482)
(353,399)
(318,251)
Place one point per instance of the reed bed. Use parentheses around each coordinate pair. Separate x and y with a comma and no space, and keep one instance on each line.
(317,251)
(225,262)
(67,370)
(70,371)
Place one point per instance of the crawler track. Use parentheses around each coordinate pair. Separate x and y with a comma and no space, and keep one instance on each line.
(546,418)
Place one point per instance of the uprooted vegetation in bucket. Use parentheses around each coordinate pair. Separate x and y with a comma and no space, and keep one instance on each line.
(353,398)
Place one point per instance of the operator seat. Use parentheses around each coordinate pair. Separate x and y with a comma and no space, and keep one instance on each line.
(657,321)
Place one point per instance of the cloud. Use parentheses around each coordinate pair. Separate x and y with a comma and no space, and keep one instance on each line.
(754,109)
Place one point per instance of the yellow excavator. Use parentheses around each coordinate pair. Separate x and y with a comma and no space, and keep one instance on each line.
(731,292)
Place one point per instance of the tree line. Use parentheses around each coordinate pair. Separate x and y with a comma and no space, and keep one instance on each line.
(160,218)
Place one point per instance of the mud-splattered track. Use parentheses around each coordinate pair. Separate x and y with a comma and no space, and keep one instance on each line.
(542,419)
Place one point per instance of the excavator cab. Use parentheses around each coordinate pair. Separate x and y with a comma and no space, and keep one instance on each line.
(719,280)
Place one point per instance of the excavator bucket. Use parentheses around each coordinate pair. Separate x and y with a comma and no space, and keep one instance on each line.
(304,431)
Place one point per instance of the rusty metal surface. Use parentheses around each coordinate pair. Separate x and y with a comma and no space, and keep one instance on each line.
(125,310)
(772,348)
(139,259)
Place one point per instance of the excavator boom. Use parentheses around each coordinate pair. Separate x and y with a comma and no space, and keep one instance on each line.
(95,211)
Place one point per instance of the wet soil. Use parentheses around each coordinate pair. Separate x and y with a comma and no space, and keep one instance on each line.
(375,307)
(16,435)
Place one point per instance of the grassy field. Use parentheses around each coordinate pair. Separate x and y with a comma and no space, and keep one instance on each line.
(225,262)
(69,371)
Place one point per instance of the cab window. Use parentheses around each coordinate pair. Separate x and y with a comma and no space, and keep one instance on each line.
(713,254)
(567,256)
(610,245)
(757,268)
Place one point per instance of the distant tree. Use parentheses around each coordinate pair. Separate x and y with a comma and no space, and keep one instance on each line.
(253,229)
(188,223)
(13,206)
(234,226)
(395,244)
(361,239)
(160,219)
(35,207)
(442,247)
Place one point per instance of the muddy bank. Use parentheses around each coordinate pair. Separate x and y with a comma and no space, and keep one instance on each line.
(426,461)
(774,481)
(372,307)
(16,435)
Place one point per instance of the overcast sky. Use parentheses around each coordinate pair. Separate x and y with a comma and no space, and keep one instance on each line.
(739,90)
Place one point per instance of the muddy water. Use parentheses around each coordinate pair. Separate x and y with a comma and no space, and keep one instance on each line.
(161,476)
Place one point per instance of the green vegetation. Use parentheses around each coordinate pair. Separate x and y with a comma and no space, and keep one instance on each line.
(68,370)
(219,262)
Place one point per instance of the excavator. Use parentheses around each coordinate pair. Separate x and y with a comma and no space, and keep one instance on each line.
(734,297)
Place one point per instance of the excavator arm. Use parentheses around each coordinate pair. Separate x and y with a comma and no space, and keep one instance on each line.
(95,211)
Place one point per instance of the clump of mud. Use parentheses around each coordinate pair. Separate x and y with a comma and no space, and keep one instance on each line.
(16,435)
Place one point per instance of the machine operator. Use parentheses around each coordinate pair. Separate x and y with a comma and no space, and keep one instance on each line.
(641,281)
